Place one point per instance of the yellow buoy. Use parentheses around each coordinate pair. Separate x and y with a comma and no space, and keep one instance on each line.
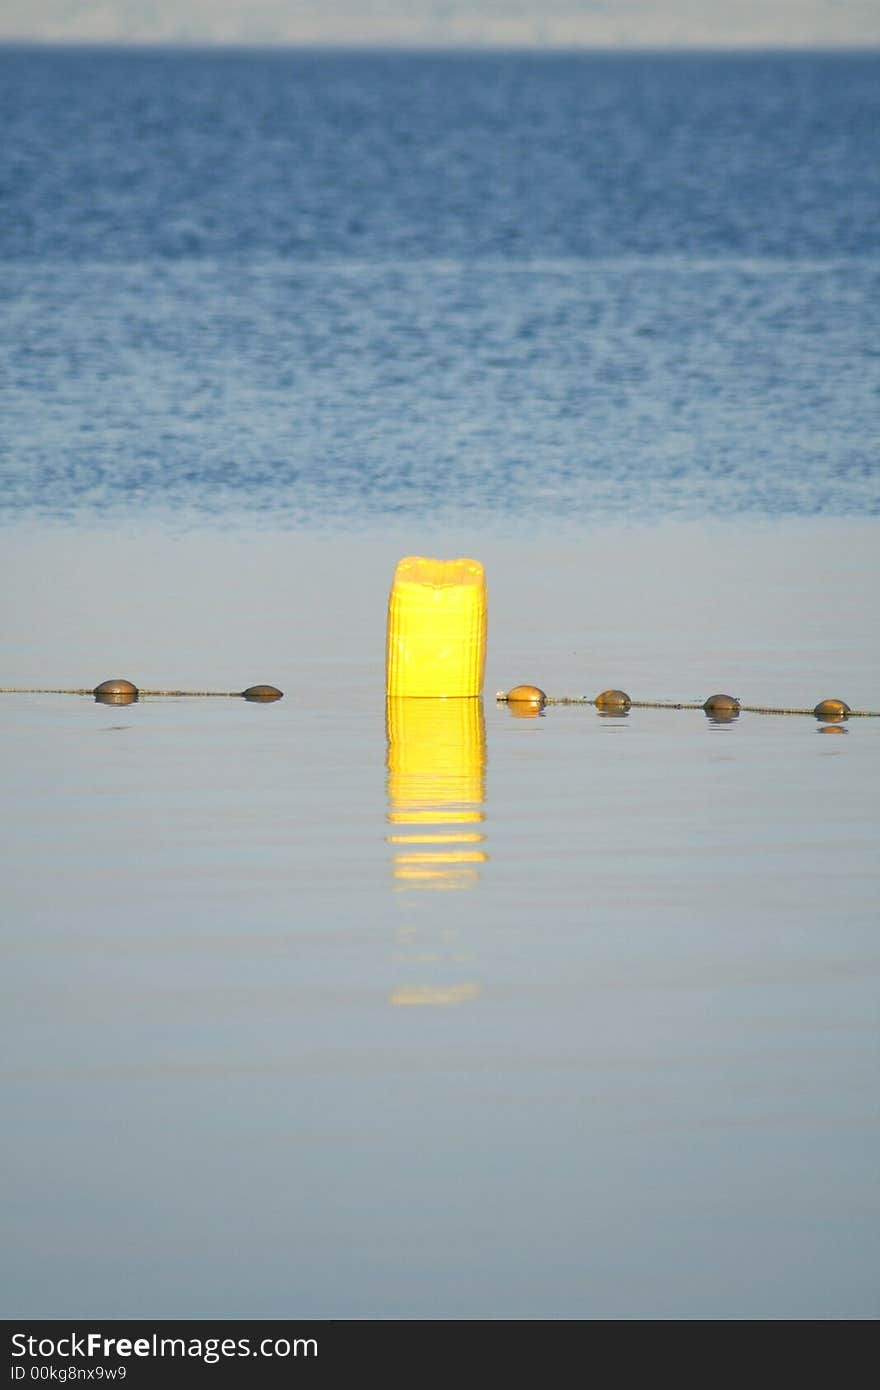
(436,637)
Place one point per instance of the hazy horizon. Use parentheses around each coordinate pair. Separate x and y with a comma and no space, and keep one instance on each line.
(455,24)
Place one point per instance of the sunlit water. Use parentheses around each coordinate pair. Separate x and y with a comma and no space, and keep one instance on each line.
(322,1008)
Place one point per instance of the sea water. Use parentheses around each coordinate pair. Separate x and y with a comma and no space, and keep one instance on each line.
(595,1033)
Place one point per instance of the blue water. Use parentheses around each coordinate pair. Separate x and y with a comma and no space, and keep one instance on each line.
(330,289)
(604,1046)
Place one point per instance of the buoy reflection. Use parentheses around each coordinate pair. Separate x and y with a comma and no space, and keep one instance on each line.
(525,709)
(721,716)
(435,994)
(436,788)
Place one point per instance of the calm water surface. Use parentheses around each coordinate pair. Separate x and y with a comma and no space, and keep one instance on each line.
(607,1049)
(321,1009)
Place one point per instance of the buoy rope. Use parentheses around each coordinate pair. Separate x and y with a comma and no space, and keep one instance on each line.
(27,690)
(681,704)
(501,698)
(850,714)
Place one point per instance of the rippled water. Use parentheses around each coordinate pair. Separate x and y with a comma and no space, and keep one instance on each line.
(337,1009)
(357,393)
(341,289)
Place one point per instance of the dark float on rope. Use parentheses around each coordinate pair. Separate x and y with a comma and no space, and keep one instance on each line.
(832,709)
(612,700)
(116,692)
(526,695)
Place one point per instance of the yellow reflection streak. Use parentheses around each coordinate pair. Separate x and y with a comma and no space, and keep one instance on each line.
(436,767)
(435,994)
(462,838)
(436,777)
(454,856)
(443,877)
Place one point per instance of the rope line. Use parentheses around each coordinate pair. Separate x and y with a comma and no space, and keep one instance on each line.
(26,690)
(850,714)
(500,699)
(681,704)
